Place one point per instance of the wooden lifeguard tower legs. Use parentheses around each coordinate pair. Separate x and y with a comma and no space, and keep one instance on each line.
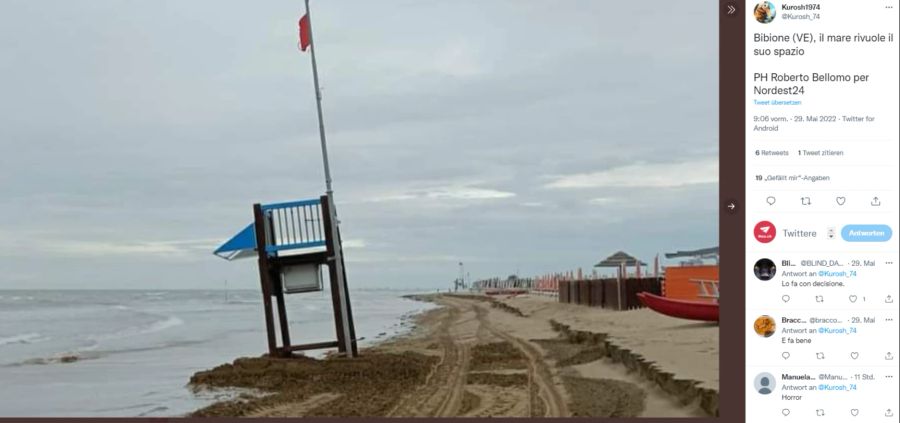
(330,246)
(265,276)
(270,267)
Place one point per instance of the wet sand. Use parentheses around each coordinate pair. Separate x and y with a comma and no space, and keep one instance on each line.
(475,356)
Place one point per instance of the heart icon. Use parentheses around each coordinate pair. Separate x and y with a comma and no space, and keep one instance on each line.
(853,298)
(854,412)
(770,200)
(785,411)
(841,200)
(786,355)
(854,355)
(785,298)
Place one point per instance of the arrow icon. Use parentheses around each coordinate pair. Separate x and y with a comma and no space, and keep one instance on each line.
(731,9)
(731,206)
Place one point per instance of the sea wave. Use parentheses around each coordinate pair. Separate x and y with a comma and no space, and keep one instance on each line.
(96,346)
(92,353)
(157,326)
(24,338)
(61,358)
(153,296)
(19,298)
(230,301)
(161,325)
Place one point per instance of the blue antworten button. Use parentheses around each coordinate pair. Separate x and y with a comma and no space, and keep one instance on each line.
(866,233)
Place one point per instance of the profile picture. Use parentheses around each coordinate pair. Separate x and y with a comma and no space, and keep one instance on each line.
(764,12)
(764,326)
(764,383)
(764,269)
(764,231)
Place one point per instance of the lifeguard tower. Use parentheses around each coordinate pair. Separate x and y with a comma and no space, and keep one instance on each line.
(292,242)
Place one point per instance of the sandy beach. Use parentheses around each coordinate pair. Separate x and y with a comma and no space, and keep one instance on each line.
(502,357)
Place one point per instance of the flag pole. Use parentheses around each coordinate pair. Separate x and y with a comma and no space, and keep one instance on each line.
(329,193)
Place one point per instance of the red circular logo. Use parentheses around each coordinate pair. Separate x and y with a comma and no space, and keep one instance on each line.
(764,231)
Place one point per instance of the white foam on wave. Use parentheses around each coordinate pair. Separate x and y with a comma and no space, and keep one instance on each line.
(24,338)
(93,350)
(157,326)
(20,298)
(162,325)
(154,295)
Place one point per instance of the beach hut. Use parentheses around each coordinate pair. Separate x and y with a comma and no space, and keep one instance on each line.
(621,261)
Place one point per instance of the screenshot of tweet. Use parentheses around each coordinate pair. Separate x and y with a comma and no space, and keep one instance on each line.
(821,81)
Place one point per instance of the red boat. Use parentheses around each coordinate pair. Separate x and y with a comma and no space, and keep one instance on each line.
(683,309)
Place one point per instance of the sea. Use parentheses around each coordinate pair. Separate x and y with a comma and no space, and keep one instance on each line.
(127,353)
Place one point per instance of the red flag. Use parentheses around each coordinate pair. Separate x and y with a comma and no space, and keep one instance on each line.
(304,33)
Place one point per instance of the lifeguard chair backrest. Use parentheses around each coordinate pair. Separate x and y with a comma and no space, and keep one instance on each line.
(293,225)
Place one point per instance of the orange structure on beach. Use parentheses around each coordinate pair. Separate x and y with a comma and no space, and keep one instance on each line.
(693,280)
(686,282)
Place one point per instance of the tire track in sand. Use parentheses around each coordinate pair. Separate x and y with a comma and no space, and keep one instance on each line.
(441,394)
(450,406)
(539,374)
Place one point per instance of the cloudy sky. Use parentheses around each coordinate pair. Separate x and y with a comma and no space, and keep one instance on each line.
(511,135)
